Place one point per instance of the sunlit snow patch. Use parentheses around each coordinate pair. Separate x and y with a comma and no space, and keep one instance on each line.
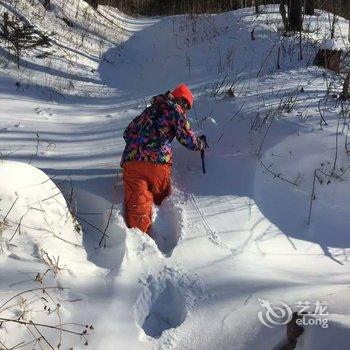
(35,220)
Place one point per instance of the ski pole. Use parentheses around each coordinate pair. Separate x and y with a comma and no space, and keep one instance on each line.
(204,140)
(203,161)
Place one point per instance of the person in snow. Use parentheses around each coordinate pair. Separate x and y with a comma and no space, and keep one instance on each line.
(147,157)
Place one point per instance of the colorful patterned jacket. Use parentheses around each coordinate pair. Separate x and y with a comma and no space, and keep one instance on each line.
(148,137)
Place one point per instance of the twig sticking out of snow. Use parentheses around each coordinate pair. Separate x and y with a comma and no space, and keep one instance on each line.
(47,304)
(259,155)
(322,120)
(312,197)
(9,211)
(104,233)
(318,175)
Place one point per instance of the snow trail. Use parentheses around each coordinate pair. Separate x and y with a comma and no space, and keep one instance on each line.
(222,240)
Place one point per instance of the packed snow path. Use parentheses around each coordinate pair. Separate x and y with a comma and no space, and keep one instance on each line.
(223,239)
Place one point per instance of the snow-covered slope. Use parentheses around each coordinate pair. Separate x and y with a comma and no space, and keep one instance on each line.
(225,239)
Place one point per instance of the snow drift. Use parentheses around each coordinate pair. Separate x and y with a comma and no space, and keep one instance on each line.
(36,219)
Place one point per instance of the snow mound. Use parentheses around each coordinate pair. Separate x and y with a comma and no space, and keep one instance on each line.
(36,221)
(330,44)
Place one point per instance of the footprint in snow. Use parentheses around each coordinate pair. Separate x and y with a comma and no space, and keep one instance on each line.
(165,302)
(19,125)
(167,311)
(167,227)
(43,111)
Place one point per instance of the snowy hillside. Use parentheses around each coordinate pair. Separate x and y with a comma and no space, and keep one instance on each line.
(73,276)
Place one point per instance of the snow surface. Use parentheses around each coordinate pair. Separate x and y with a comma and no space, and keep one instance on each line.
(223,239)
(330,44)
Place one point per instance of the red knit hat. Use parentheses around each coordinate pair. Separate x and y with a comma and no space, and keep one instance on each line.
(183,91)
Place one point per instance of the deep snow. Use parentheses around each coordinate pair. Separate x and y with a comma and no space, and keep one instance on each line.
(223,240)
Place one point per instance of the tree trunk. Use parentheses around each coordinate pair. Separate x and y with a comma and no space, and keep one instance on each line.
(257,3)
(295,16)
(5,26)
(334,21)
(17,54)
(345,93)
(47,4)
(284,15)
(92,3)
(310,7)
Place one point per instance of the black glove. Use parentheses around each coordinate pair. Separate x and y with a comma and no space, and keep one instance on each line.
(203,142)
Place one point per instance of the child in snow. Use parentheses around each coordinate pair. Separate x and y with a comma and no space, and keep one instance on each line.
(147,157)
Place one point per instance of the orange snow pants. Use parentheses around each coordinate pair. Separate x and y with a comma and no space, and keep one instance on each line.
(145,183)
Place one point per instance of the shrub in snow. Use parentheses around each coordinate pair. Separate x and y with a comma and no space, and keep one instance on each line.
(21,36)
(329,55)
(35,221)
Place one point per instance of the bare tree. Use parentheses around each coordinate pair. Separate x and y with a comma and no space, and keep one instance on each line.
(47,4)
(345,93)
(21,36)
(295,16)
(257,3)
(283,13)
(93,3)
(309,7)
(172,7)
